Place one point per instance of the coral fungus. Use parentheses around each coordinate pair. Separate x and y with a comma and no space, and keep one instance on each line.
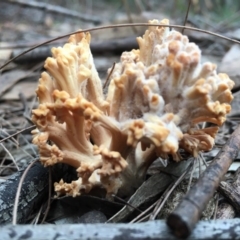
(156,99)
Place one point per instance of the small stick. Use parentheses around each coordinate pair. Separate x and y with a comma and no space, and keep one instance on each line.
(186,17)
(109,75)
(184,218)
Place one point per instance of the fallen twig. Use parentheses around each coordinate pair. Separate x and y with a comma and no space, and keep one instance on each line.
(56,10)
(232,191)
(151,230)
(186,215)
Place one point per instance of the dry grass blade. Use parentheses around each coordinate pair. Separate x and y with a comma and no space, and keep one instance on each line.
(126,203)
(204,161)
(10,155)
(49,195)
(200,166)
(36,219)
(164,198)
(16,133)
(216,207)
(144,212)
(15,208)
(6,134)
(156,204)
(34,152)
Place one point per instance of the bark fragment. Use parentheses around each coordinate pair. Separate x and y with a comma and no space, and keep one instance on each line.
(34,190)
(232,191)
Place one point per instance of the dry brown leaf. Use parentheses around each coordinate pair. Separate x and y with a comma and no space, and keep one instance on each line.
(231,61)
(8,79)
(26,87)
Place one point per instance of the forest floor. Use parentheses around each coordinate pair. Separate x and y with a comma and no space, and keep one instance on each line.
(24,26)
